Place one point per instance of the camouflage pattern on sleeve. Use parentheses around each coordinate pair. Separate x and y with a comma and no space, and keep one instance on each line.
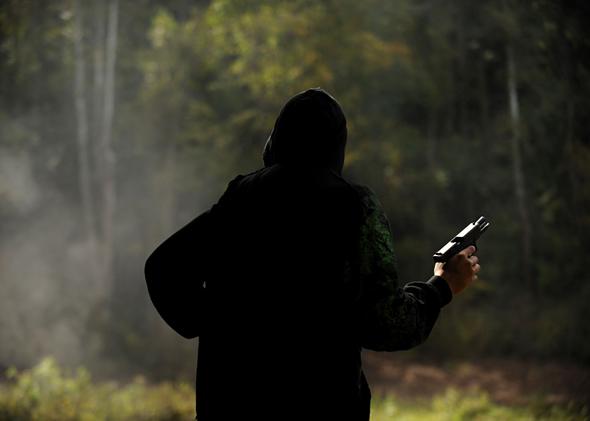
(391,317)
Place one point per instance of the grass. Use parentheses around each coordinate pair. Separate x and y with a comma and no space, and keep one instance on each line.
(46,392)
(454,405)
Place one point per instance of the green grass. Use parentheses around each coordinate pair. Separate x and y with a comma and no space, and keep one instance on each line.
(46,392)
(454,405)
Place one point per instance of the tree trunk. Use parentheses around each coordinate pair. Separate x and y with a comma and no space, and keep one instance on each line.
(519,182)
(106,155)
(463,74)
(484,101)
(85,180)
(570,77)
(431,140)
(98,47)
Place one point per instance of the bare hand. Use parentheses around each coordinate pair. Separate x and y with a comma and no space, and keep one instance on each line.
(460,271)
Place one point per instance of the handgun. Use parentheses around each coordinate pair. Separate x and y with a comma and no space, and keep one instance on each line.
(464,239)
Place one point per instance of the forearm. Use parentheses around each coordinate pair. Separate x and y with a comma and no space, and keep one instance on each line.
(392,317)
(404,318)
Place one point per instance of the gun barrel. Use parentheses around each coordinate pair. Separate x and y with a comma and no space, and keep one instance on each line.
(484,227)
(481,221)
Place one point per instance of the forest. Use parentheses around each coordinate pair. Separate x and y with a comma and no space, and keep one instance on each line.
(122,121)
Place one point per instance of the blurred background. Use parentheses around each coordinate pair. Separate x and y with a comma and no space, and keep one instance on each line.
(121,121)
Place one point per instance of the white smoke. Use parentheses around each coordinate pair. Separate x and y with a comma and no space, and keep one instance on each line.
(44,295)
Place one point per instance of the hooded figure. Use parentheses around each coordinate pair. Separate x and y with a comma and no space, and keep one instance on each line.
(287,278)
(309,132)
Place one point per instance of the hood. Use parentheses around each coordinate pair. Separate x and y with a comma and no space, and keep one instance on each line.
(310,131)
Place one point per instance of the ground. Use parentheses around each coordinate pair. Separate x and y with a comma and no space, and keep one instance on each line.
(402,389)
(509,382)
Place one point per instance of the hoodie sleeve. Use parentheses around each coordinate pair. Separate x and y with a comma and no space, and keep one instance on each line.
(177,270)
(174,277)
(391,317)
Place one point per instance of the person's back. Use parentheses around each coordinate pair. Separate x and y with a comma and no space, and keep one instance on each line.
(279,331)
(288,276)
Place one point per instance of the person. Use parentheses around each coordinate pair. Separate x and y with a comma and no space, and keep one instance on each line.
(289,275)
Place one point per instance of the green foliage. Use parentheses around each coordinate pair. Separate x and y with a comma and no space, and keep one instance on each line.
(424,87)
(46,392)
(455,405)
(427,112)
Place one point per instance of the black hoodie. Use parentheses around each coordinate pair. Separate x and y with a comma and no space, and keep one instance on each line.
(286,278)
(310,131)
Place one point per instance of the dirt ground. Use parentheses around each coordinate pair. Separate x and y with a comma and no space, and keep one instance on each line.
(509,382)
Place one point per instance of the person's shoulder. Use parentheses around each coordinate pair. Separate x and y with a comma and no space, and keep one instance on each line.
(362,190)
(235,188)
(323,179)
(242,180)
(264,180)
(367,197)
